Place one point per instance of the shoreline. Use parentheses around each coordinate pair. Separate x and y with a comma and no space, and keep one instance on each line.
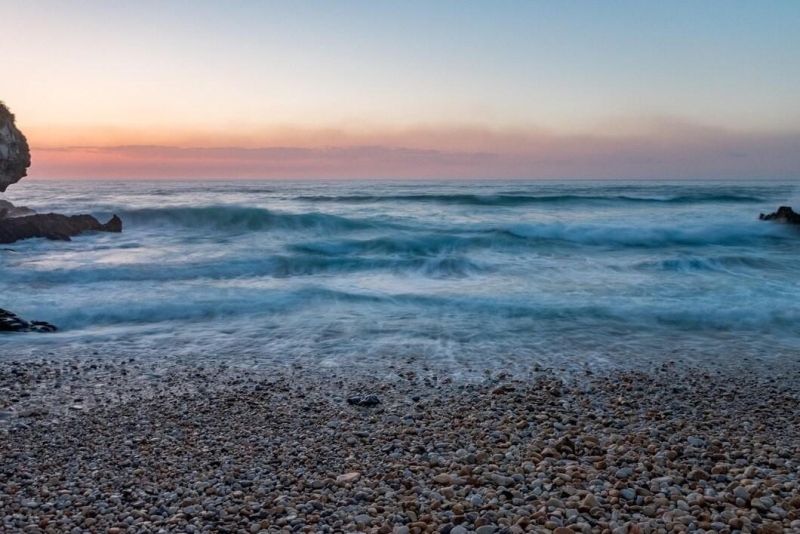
(220,449)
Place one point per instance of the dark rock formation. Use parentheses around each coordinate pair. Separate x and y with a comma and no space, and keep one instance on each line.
(15,156)
(22,223)
(53,226)
(785,214)
(7,209)
(10,322)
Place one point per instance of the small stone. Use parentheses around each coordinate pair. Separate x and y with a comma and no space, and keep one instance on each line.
(363,519)
(348,478)
(458,529)
(590,501)
(625,472)
(485,529)
(697,474)
(369,400)
(442,479)
(758,505)
(505,481)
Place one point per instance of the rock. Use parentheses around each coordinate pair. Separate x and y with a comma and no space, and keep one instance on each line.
(785,214)
(625,472)
(363,519)
(442,479)
(53,226)
(348,478)
(501,480)
(629,494)
(458,529)
(33,411)
(7,209)
(758,505)
(590,501)
(563,530)
(15,155)
(485,529)
(697,474)
(369,400)
(10,322)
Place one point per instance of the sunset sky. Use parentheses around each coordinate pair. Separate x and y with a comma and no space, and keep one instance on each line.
(617,89)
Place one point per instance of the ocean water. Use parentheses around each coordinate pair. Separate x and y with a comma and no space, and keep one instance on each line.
(458,275)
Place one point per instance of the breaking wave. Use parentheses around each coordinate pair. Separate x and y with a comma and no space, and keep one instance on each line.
(520,199)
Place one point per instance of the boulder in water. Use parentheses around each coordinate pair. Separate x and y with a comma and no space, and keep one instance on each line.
(53,226)
(785,214)
(7,209)
(10,322)
(15,155)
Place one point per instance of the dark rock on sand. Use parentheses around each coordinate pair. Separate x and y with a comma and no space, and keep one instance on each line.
(15,155)
(785,214)
(369,400)
(10,322)
(53,226)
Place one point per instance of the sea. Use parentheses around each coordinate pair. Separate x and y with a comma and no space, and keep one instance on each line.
(465,276)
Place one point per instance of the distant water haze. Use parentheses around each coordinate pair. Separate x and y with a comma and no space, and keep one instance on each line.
(464,275)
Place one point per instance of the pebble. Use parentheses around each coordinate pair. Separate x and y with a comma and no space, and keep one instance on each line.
(670,450)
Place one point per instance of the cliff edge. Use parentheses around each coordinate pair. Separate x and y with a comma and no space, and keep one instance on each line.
(15,155)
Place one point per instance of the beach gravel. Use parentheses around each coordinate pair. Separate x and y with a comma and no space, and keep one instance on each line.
(209,449)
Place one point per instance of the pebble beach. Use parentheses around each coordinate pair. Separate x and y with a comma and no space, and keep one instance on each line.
(119,446)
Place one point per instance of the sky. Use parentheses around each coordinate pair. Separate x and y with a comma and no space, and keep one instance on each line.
(446,89)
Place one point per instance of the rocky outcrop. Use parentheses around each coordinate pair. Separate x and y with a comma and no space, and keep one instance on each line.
(7,209)
(10,322)
(785,214)
(53,226)
(15,156)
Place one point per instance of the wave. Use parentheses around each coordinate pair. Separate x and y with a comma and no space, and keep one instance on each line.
(527,237)
(277,266)
(711,264)
(411,312)
(399,244)
(233,218)
(520,199)
(646,237)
